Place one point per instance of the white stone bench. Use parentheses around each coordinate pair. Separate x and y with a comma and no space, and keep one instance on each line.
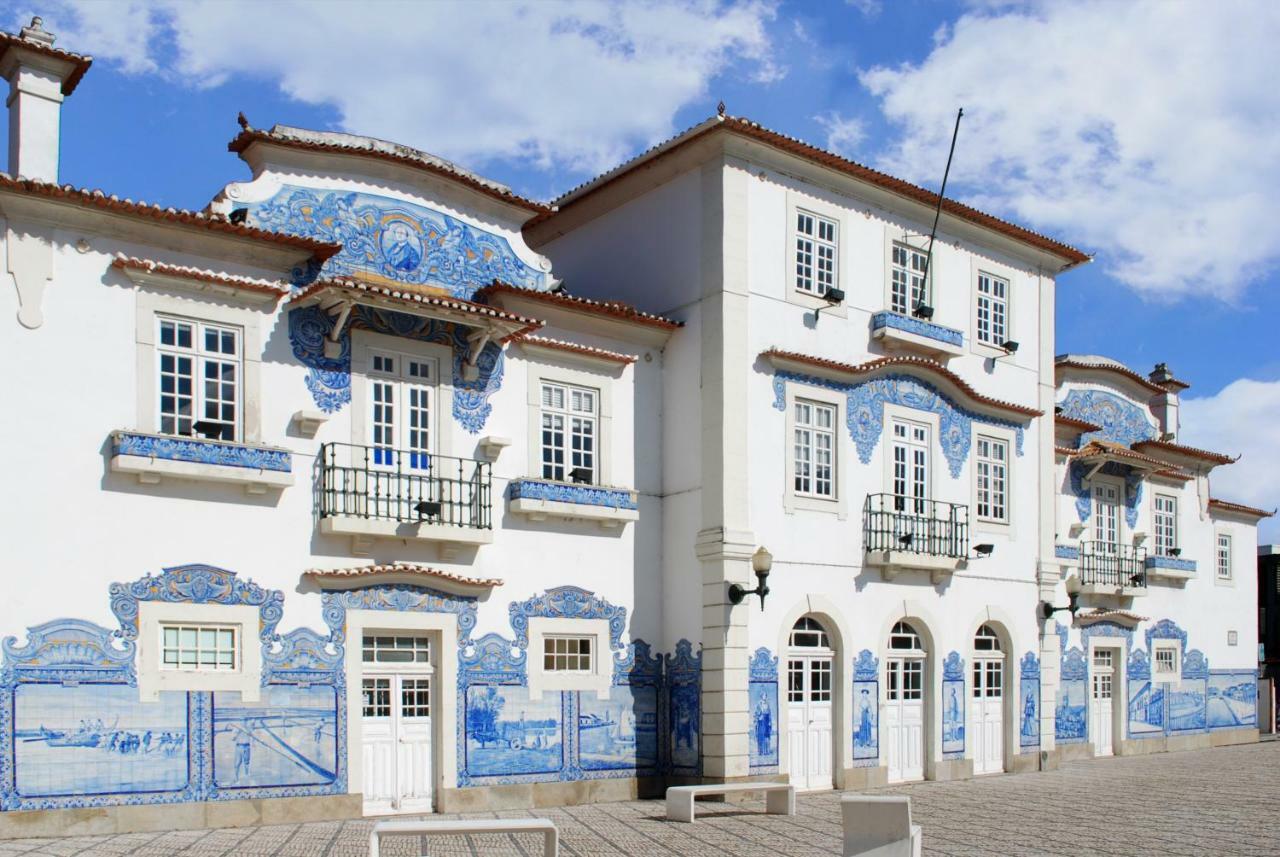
(407,827)
(879,826)
(779,798)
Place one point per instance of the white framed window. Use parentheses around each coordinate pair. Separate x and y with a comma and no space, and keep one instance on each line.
(198,367)
(992,474)
(992,309)
(1166,524)
(816,243)
(567,654)
(908,279)
(909,448)
(1164,662)
(395,649)
(814,449)
(402,405)
(1223,556)
(570,432)
(199,648)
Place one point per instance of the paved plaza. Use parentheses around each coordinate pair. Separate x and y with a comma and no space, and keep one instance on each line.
(1206,802)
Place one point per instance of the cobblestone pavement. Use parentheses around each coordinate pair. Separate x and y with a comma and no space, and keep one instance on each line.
(1204,802)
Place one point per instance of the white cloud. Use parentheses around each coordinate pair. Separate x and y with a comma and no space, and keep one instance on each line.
(844,133)
(1147,130)
(575,85)
(1242,419)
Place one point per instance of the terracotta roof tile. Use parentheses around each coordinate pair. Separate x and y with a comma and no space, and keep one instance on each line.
(273,287)
(80,61)
(1099,614)
(1071,361)
(907,361)
(1106,447)
(575,348)
(1239,508)
(1076,424)
(1189,451)
(400,568)
(613,309)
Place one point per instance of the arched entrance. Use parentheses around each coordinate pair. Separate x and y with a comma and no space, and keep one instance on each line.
(810,679)
(904,703)
(986,710)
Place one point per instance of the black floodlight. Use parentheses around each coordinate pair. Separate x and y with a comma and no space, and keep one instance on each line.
(923,311)
(985,549)
(427,509)
(581,475)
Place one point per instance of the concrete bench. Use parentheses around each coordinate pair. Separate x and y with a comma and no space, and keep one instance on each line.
(779,798)
(410,827)
(879,826)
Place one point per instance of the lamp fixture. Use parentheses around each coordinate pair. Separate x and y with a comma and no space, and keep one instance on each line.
(580,475)
(832,297)
(1010,345)
(427,509)
(905,540)
(984,550)
(1175,552)
(761,563)
(210,429)
(923,311)
(1073,600)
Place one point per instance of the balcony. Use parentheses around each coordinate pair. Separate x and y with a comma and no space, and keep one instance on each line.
(1171,568)
(904,533)
(369,492)
(907,333)
(1108,568)
(153,457)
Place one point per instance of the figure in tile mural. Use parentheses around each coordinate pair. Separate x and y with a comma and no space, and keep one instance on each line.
(508,733)
(287,738)
(864,735)
(620,732)
(1030,728)
(762,717)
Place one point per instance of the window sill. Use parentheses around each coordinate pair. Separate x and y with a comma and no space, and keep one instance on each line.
(891,563)
(154,456)
(903,332)
(363,530)
(540,499)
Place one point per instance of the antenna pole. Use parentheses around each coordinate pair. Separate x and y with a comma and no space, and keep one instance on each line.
(937,213)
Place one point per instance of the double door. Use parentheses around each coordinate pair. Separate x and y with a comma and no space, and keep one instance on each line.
(986,715)
(396,742)
(904,718)
(809,741)
(1101,715)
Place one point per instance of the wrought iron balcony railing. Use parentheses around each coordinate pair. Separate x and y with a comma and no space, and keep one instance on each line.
(891,522)
(403,485)
(1112,564)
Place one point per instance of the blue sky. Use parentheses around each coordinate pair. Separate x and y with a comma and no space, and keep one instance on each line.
(1144,132)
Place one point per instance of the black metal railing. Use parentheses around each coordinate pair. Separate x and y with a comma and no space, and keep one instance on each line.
(891,522)
(1112,564)
(403,485)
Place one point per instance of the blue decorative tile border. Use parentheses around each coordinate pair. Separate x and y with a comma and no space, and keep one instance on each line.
(919,327)
(1173,563)
(560,492)
(1066,551)
(200,451)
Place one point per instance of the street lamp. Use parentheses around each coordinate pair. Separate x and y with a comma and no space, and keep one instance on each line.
(1073,599)
(761,563)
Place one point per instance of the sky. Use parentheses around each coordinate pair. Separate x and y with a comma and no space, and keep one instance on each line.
(1145,132)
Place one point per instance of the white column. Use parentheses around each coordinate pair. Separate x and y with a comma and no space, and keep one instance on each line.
(1047,570)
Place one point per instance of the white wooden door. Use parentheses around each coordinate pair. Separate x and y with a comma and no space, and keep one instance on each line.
(910,451)
(396,743)
(402,403)
(986,714)
(1106,504)
(904,718)
(1102,681)
(809,738)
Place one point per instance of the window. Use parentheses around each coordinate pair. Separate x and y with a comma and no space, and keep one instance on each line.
(993,479)
(808,634)
(199,368)
(396,650)
(198,647)
(986,640)
(1166,525)
(904,637)
(907,288)
(1165,662)
(401,393)
(905,679)
(415,697)
(1224,557)
(566,654)
(910,447)
(993,309)
(376,697)
(815,449)
(815,253)
(569,423)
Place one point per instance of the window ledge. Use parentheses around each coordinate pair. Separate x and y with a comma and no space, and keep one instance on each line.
(1170,568)
(542,498)
(154,456)
(363,530)
(891,563)
(903,332)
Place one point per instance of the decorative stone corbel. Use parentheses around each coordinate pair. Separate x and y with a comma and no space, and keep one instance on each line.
(30,263)
(476,342)
(341,310)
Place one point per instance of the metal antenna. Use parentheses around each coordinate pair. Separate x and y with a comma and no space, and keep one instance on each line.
(928,257)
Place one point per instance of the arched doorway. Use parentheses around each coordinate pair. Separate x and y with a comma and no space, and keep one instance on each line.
(904,703)
(986,711)
(810,661)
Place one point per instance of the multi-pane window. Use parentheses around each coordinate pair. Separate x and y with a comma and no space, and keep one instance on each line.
(815,253)
(993,479)
(904,637)
(396,650)
(993,310)
(910,450)
(199,375)
(819,680)
(908,287)
(815,449)
(905,679)
(566,654)
(1224,556)
(808,634)
(376,697)
(569,432)
(401,391)
(415,697)
(1166,525)
(1165,662)
(198,647)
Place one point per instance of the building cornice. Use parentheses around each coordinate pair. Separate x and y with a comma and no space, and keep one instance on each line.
(1226,507)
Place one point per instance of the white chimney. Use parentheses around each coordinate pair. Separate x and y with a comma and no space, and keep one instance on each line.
(39,76)
(1166,404)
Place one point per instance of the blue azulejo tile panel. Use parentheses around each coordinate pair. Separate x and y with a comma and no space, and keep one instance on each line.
(619,733)
(685,727)
(97,739)
(288,738)
(1071,717)
(1186,701)
(953,706)
(1122,421)
(559,492)
(866,710)
(763,699)
(1145,712)
(1029,703)
(1232,699)
(919,327)
(507,733)
(200,451)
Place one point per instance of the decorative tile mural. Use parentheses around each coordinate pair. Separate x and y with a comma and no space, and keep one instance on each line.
(507,733)
(866,710)
(620,733)
(1029,703)
(1122,421)
(953,706)
(1232,699)
(1071,717)
(288,738)
(684,696)
(762,701)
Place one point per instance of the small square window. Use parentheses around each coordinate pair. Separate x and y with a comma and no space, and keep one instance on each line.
(567,654)
(1165,662)
(204,648)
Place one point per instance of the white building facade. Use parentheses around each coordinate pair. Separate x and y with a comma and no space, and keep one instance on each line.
(374,491)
